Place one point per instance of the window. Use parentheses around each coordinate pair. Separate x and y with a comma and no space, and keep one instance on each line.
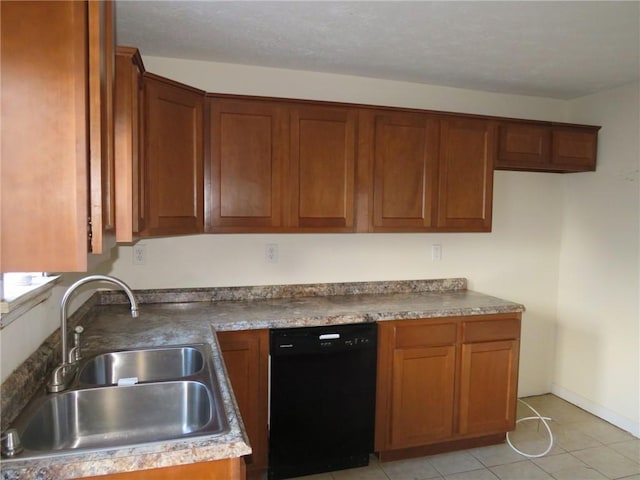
(18,283)
(21,291)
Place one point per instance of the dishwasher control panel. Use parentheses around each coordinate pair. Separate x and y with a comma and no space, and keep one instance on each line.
(310,340)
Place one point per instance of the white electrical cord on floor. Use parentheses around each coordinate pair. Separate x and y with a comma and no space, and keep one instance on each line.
(546,425)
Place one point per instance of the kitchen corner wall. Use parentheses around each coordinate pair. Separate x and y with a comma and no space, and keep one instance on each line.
(598,338)
(517,261)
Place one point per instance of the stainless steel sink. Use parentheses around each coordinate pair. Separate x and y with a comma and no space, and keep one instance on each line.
(112,416)
(181,399)
(147,365)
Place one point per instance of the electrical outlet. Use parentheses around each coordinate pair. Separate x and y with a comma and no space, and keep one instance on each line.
(139,254)
(271,252)
(436,252)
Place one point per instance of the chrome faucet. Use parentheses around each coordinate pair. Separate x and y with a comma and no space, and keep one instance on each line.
(62,375)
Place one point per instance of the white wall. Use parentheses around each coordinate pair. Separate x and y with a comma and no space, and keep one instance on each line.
(248,80)
(598,341)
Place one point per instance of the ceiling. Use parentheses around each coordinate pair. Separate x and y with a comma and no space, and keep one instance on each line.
(562,49)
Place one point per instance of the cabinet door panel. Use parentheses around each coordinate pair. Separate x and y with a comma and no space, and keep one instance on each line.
(245,355)
(414,334)
(247,153)
(493,329)
(405,149)
(574,149)
(174,158)
(422,399)
(467,151)
(488,386)
(322,167)
(523,146)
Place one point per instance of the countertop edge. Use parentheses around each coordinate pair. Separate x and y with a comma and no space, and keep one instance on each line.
(365,318)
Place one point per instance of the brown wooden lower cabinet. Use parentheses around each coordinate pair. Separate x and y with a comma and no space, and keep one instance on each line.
(488,385)
(246,356)
(445,383)
(227,469)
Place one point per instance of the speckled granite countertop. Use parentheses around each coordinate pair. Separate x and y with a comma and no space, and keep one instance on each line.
(169,317)
(232,444)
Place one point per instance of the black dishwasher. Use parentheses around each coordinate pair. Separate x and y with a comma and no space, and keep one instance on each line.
(322,400)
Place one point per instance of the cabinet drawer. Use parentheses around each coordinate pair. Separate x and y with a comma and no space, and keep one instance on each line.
(425,335)
(488,330)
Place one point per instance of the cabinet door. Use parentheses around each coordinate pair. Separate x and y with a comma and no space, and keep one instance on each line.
(465,187)
(523,146)
(547,148)
(248,145)
(128,151)
(322,168)
(488,386)
(245,355)
(403,148)
(173,149)
(44,115)
(574,149)
(422,399)
(416,383)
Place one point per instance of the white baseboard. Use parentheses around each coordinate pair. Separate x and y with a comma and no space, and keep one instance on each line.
(616,419)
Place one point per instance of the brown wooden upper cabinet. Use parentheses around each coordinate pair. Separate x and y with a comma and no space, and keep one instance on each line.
(426,172)
(399,151)
(173,157)
(574,149)
(247,152)
(465,174)
(538,146)
(281,165)
(320,186)
(57,133)
(276,166)
(129,169)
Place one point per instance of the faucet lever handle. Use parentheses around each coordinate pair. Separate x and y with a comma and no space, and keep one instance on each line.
(11,445)
(75,353)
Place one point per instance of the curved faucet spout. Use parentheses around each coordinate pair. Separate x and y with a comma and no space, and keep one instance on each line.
(56,384)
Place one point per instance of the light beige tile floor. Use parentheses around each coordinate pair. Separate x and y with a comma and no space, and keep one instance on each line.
(585,448)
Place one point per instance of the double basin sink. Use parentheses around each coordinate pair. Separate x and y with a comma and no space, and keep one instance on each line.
(126,398)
